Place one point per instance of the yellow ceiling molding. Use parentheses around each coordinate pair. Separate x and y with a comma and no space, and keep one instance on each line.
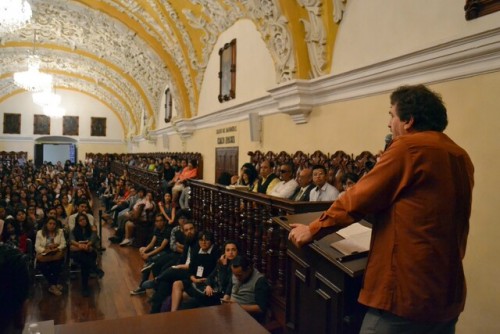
(294,13)
(117,95)
(133,25)
(192,72)
(331,29)
(20,91)
(86,54)
(194,34)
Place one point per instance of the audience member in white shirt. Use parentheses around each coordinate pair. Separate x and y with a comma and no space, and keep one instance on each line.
(286,187)
(323,190)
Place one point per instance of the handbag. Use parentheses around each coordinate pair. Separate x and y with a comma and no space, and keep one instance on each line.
(50,257)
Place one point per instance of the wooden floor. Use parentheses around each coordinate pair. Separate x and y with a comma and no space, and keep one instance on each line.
(110,297)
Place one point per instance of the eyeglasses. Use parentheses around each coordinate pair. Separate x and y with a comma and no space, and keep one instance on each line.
(284,171)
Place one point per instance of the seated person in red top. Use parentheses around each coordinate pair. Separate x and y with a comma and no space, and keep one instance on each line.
(189,172)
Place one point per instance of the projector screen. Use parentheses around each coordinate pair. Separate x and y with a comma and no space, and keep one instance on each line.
(56,152)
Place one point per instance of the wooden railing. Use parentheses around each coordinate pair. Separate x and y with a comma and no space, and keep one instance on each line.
(245,217)
(151,181)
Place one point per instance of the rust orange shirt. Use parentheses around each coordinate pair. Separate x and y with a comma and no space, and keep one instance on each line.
(420,192)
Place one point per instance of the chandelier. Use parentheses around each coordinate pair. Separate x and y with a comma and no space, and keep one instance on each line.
(33,80)
(54,111)
(46,98)
(14,14)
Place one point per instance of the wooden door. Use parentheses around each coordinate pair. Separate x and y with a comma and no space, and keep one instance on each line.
(226,160)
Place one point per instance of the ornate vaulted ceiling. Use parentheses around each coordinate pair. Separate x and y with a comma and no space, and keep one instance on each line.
(126,52)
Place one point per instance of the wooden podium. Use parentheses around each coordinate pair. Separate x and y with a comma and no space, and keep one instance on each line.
(322,291)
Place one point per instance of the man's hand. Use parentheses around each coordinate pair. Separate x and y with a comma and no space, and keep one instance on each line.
(300,235)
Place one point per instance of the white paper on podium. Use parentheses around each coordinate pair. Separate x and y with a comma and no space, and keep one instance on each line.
(42,327)
(352,230)
(356,239)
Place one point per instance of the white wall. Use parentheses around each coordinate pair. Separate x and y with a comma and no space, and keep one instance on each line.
(76,104)
(255,72)
(377,30)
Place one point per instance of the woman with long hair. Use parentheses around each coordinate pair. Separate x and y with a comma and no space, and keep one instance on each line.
(12,235)
(167,208)
(83,250)
(49,247)
(67,205)
(61,215)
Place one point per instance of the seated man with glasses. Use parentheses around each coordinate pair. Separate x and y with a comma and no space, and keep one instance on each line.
(287,185)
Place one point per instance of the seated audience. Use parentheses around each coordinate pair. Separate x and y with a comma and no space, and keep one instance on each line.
(82,209)
(156,253)
(189,171)
(14,290)
(147,206)
(13,236)
(26,225)
(268,180)
(305,183)
(213,289)
(251,173)
(84,250)
(163,282)
(248,287)
(323,190)
(348,180)
(168,175)
(50,246)
(167,208)
(287,185)
(202,264)
(121,217)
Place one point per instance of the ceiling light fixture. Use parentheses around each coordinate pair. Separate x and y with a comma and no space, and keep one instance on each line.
(14,15)
(54,111)
(33,80)
(46,98)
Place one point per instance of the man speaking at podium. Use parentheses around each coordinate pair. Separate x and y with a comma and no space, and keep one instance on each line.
(420,193)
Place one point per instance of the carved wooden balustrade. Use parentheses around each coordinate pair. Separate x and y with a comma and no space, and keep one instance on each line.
(245,217)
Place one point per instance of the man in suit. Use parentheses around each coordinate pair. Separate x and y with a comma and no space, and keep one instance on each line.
(305,181)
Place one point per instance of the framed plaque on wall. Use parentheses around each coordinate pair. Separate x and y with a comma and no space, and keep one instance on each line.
(41,125)
(70,125)
(12,123)
(98,126)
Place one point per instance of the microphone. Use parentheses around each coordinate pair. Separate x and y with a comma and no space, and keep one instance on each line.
(388,141)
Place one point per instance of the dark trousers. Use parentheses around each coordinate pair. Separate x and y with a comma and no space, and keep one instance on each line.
(378,321)
(164,287)
(87,262)
(51,271)
(161,260)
